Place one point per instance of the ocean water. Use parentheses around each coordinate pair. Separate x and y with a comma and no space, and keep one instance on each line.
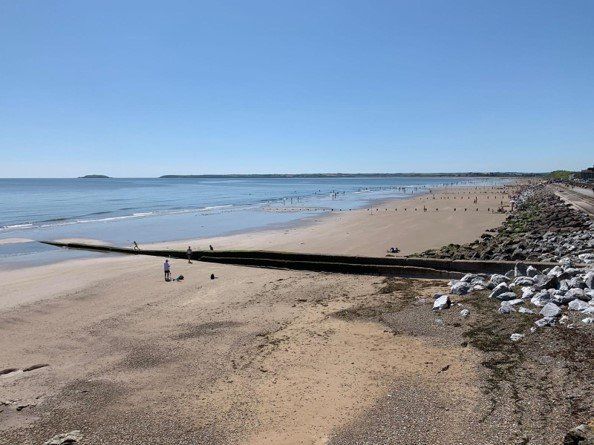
(120,211)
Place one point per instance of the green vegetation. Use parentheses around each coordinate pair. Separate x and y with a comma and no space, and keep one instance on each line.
(560,175)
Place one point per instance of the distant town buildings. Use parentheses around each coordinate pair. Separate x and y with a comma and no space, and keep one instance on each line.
(586,175)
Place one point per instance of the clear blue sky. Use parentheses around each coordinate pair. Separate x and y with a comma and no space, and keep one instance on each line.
(143,88)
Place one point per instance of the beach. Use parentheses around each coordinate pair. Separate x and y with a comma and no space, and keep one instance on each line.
(255,356)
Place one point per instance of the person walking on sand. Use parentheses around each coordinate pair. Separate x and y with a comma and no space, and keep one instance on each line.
(189,253)
(136,246)
(167,270)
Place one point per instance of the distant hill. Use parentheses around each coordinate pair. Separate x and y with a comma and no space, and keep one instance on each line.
(94,177)
(368,175)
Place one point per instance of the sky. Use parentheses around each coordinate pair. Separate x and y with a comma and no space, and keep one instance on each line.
(144,88)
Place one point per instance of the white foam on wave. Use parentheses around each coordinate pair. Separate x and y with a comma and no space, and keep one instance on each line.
(114,218)
(15,241)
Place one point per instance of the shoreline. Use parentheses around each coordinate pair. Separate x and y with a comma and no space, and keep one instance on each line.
(359,232)
(254,356)
(260,218)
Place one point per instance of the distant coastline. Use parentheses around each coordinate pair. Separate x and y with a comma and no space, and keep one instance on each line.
(366,175)
(94,177)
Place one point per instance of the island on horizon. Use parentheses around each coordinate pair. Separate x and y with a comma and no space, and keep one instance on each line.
(94,177)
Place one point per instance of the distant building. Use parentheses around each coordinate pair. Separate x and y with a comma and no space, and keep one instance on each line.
(586,175)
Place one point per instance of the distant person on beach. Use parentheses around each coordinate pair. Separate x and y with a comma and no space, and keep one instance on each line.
(189,253)
(211,248)
(136,246)
(167,270)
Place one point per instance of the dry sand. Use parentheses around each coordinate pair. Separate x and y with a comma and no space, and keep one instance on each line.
(256,356)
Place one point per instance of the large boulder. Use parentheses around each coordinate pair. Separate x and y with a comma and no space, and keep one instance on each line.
(556,271)
(441,303)
(580,435)
(589,280)
(506,309)
(532,271)
(499,289)
(507,296)
(545,321)
(525,310)
(540,298)
(497,279)
(527,293)
(545,282)
(578,305)
(71,438)
(468,277)
(460,288)
(550,310)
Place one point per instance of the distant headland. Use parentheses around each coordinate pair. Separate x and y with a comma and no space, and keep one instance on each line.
(367,175)
(94,177)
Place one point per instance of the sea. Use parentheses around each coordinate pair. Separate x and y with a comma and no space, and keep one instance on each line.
(147,210)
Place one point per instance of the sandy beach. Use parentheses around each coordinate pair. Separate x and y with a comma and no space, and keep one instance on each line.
(255,356)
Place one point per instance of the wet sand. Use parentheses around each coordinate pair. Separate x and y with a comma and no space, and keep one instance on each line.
(254,356)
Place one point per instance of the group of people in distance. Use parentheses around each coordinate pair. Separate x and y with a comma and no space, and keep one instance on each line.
(167,264)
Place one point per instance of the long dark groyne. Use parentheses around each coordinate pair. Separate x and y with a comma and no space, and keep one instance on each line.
(384,266)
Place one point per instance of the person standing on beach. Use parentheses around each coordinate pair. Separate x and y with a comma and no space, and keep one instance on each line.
(167,270)
(189,253)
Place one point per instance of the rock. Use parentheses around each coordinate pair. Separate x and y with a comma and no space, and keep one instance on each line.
(578,305)
(589,280)
(460,288)
(564,319)
(73,437)
(524,281)
(468,277)
(497,279)
(550,310)
(532,271)
(566,262)
(576,282)
(541,298)
(545,282)
(499,289)
(527,293)
(441,303)
(510,273)
(464,313)
(556,271)
(516,337)
(572,294)
(525,310)
(580,435)
(507,296)
(514,302)
(545,321)
(506,309)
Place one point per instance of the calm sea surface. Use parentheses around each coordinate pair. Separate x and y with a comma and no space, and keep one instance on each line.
(120,211)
